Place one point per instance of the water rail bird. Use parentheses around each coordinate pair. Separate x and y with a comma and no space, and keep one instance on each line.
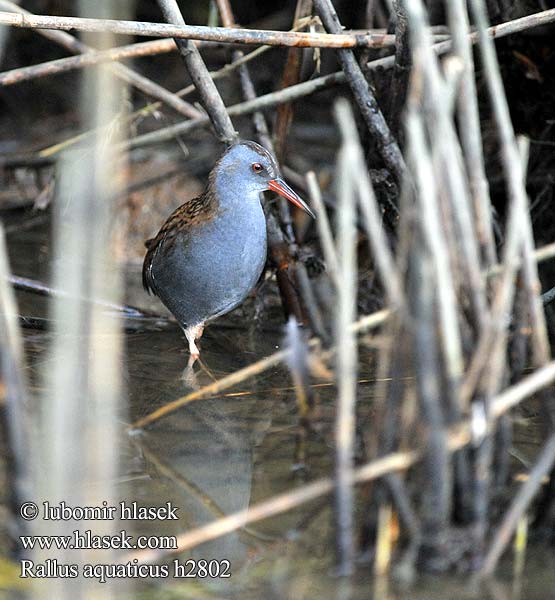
(211,251)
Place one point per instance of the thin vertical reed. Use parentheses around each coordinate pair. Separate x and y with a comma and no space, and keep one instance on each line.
(347,355)
(81,404)
(469,121)
(514,175)
(428,271)
(371,214)
(15,417)
(446,151)
(538,326)
(324,228)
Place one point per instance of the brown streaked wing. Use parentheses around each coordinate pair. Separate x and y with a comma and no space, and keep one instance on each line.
(193,212)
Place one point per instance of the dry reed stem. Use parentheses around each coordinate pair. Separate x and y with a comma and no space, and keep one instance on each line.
(15,415)
(469,121)
(78,446)
(345,340)
(427,269)
(448,170)
(62,65)
(517,199)
(324,228)
(539,339)
(372,217)
(198,32)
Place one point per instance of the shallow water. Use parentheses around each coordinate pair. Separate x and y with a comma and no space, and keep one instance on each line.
(220,455)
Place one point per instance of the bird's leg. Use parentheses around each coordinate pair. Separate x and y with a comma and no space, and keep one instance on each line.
(193,333)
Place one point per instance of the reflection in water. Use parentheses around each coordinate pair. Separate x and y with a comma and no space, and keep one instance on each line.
(207,448)
(210,449)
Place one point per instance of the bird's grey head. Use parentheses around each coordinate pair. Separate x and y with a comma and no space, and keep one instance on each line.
(245,170)
(246,167)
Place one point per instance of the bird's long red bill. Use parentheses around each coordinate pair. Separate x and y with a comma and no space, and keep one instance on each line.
(280,187)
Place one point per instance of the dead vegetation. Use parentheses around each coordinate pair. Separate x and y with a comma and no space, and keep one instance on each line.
(435,233)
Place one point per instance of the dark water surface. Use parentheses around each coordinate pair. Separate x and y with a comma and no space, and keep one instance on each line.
(220,455)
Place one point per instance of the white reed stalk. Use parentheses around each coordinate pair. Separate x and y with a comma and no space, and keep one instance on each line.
(347,355)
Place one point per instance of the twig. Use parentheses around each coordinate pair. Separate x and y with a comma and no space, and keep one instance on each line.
(198,32)
(373,117)
(125,73)
(458,437)
(61,65)
(210,97)
(38,287)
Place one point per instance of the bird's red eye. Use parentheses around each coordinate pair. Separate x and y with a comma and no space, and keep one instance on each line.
(257,167)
